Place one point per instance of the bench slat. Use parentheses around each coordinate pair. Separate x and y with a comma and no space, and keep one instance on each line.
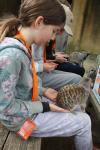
(16,143)
(3,135)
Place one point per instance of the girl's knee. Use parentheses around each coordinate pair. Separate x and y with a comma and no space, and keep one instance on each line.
(77,78)
(86,121)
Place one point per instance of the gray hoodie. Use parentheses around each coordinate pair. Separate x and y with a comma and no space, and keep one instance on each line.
(16,104)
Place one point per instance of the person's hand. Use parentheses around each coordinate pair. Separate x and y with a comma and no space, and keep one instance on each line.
(55,108)
(47,67)
(62,53)
(61,57)
(50,61)
(51,94)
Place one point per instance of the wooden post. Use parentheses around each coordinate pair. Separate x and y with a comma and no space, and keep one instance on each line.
(86,25)
(91,32)
(78,11)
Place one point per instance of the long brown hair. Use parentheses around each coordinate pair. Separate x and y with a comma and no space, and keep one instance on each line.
(51,10)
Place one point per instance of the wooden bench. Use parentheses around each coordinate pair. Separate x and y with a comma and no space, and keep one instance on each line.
(58,143)
(10,141)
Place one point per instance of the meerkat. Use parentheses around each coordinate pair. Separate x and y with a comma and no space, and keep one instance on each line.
(73,95)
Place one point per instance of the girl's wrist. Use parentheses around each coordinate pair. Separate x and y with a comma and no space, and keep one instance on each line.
(46,107)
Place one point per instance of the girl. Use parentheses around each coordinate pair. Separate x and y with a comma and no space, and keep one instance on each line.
(37,23)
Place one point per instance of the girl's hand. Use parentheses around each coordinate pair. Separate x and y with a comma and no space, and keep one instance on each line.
(55,108)
(51,94)
(47,67)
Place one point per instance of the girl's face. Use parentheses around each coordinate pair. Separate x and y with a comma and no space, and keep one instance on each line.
(44,33)
(47,33)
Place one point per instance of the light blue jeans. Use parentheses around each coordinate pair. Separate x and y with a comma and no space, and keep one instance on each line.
(57,124)
(57,79)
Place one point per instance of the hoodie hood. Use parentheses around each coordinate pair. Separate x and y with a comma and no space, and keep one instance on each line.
(8,41)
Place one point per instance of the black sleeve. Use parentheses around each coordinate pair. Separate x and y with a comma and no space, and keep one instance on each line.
(50,52)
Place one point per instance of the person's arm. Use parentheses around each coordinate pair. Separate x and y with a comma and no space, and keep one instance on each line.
(47,67)
(61,57)
(37,53)
(11,106)
(50,93)
(39,66)
(61,42)
(50,50)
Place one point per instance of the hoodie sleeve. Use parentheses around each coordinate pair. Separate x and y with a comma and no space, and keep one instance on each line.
(11,108)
